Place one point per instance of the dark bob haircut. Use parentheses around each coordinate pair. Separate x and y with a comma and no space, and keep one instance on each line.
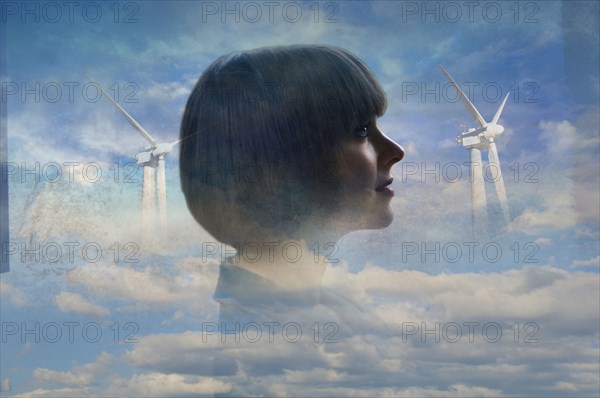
(261,130)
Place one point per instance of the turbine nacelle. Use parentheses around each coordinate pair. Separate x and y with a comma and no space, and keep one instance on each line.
(480,136)
(472,140)
(164,148)
(493,130)
(149,156)
(146,158)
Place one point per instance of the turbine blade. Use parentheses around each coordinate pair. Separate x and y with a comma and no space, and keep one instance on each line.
(468,104)
(499,112)
(498,180)
(130,119)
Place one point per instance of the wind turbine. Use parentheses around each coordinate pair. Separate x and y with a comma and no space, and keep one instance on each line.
(150,158)
(476,139)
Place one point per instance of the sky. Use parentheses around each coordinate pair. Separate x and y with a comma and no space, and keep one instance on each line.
(78,265)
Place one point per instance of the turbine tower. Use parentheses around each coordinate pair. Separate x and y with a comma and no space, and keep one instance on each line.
(150,158)
(475,140)
(4,230)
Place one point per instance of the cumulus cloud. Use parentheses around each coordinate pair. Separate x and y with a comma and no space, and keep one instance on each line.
(558,214)
(170,90)
(587,263)
(82,380)
(531,297)
(454,390)
(58,392)
(15,295)
(565,191)
(79,375)
(561,137)
(159,384)
(539,330)
(152,285)
(73,302)
(148,384)
(543,241)
(530,293)
(72,207)
(67,378)
(185,286)
(5,386)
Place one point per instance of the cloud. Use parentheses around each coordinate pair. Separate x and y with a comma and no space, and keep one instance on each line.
(27,131)
(543,241)
(158,384)
(587,263)
(530,299)
(454,390)
(73,302)
(562,137)
(176,353)
(16,296)
(65,209)
(66,378)
(106,133)
(151,285)
(79,375)
(565,190)
(171,90)
(148,384)
(83,380)
(558,214)
(531,293)
(5,386)
(587,233)
(529,296)
(58,392)
(181,286)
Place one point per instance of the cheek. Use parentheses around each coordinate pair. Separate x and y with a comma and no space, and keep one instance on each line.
(358,166)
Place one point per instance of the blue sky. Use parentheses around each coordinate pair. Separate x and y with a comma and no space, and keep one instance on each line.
(544,53)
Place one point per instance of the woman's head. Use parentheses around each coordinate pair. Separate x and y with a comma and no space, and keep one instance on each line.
(269,136)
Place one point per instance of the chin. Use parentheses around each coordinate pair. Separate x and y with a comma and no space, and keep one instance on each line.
(378,220)
(384,220)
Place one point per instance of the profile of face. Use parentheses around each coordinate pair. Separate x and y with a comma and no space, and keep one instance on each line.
(365,162)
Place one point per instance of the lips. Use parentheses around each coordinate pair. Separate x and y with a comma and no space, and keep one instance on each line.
(385,185)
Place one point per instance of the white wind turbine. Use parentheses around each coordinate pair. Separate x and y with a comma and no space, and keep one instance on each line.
(150,158)
(476,139)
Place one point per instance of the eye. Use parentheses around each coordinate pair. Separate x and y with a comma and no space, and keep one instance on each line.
(363,131)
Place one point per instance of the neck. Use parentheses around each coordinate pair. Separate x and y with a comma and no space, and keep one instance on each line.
(294,263)
(291,264)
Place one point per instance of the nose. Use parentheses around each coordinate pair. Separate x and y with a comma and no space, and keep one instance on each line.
(390,152)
